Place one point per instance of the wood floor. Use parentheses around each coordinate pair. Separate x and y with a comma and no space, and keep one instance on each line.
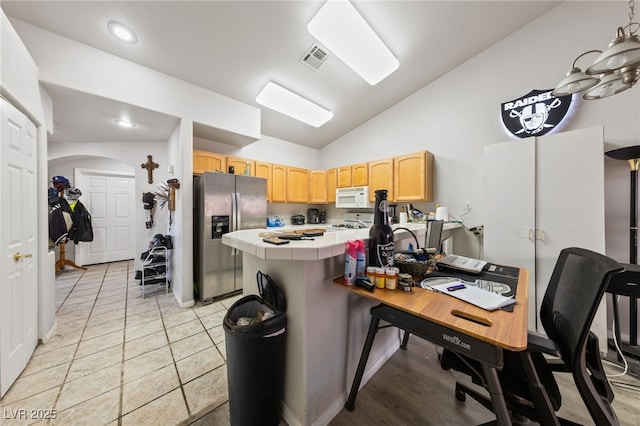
(412,389)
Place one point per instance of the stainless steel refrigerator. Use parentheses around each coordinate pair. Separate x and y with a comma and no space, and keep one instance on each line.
(223,203)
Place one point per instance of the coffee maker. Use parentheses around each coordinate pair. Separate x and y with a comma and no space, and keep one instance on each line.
(392,213)
(313,216)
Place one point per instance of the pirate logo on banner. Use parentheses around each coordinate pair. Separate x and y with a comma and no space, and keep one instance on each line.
(534,114)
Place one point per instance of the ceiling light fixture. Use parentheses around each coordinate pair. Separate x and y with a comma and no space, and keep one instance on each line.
(342,30)
(122,32)
(286,102)
(124,123)
(614,70)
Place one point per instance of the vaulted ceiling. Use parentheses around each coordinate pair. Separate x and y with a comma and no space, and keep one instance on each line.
(235,47)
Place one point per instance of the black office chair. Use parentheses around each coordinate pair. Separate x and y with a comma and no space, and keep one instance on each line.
(575,290)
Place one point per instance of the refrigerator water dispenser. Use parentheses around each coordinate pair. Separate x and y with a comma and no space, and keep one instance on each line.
(219,226)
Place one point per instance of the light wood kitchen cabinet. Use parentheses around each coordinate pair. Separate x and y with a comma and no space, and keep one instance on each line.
(297,185)
(381,177)
(332,185)
(240,164)
(265,170)
(413,177)
(317,186)
(344,177)
(279,183)
(204,161)
(359,174)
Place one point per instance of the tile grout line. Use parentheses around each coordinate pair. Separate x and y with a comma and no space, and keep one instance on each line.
(124,340)
(64,381)
(175,364)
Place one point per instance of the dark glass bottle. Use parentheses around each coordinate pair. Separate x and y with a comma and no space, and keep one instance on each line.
(381,248)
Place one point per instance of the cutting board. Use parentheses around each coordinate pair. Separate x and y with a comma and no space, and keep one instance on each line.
(297,232)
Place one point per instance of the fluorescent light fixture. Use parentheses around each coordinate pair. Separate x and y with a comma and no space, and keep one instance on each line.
(342,30)
(286,102)
(122,32)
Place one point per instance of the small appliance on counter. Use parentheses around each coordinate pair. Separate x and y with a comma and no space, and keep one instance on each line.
(313,216)
(297,219)
(323,216)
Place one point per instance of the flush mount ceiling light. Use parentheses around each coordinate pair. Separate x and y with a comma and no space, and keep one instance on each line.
(342,30)
(122,32)
(124,123)
(614,70)
(286,102)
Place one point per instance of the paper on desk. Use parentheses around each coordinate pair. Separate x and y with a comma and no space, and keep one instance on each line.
(476,296)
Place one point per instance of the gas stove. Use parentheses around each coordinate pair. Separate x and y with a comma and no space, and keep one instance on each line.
(349,225)
(356,221)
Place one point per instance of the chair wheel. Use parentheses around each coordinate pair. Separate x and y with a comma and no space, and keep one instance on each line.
(461,396)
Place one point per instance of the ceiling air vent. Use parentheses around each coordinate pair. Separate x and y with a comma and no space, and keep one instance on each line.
(314,57)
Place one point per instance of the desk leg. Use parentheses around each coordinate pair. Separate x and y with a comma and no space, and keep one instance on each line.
(368,343)
(405,340)
(497,396)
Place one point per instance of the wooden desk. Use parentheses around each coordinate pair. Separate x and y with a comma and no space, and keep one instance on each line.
(442,319)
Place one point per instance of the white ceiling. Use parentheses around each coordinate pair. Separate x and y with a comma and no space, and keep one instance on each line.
(235,47)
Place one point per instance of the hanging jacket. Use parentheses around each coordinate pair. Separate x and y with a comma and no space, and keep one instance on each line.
(82,229)
(60,221)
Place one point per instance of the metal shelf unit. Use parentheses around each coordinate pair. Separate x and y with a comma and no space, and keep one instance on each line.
(154,269)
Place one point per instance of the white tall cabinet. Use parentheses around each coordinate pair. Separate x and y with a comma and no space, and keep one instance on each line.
(545,194)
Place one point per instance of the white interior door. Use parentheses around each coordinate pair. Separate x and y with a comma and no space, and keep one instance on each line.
(109,197)
(18,227)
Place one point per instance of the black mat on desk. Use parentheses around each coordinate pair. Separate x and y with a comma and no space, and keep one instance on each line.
(507,276)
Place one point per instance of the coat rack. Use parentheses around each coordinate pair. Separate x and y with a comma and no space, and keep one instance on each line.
(63,261)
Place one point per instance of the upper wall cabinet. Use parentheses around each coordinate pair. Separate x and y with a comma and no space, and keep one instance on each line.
(240,165)
(297,185)
(381,177)
(208,161)
(279,183)
(265,170)
(413,177)
(406,177)
(344,177)
(318,186)
(359,174)
(332,185)
(354,175)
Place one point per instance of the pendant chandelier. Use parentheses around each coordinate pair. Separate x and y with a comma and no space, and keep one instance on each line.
(614,70)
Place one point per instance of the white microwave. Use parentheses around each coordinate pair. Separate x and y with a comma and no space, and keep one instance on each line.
(353,198)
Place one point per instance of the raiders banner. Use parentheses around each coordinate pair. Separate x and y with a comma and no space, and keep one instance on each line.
(534,114)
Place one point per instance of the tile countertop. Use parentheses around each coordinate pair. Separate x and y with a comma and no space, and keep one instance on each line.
(329,245)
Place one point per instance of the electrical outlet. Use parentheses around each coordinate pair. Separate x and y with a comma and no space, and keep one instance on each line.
(467,205)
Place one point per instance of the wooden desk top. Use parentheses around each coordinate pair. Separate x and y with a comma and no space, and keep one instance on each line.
(507,330)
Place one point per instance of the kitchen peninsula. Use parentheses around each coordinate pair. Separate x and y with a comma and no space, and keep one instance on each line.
(326,326)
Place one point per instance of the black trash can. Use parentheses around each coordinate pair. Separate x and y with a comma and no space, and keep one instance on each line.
(256,355)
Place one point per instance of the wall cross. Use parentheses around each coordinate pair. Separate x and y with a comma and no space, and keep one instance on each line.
(150,166)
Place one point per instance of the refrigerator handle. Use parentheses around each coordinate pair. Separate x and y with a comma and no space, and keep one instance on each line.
(235,198)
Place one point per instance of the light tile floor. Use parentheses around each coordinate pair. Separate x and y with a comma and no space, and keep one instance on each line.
(118,359)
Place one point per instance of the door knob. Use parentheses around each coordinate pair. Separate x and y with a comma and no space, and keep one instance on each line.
(18,256)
